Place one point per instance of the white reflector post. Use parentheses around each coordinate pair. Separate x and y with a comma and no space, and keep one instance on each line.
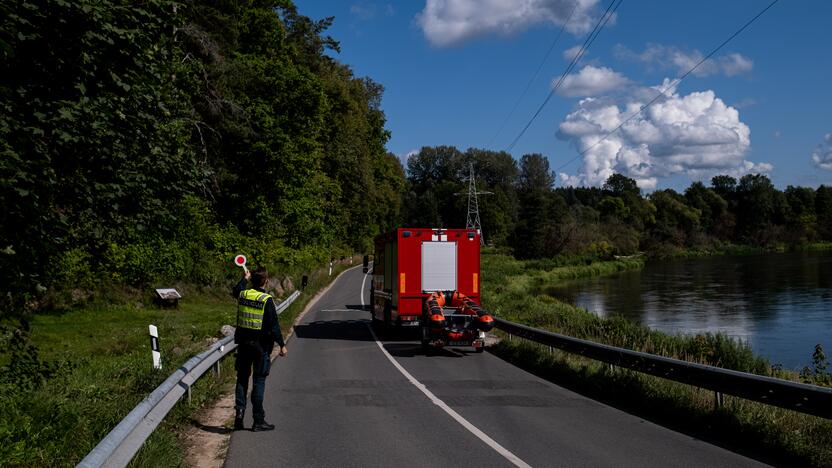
(438,266)
(154,347)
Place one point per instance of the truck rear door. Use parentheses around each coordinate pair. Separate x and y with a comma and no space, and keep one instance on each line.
(439,266)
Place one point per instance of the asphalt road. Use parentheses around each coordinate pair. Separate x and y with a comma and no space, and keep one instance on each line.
(339,400)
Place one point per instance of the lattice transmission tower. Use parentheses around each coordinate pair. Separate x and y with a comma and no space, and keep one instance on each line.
(473,219)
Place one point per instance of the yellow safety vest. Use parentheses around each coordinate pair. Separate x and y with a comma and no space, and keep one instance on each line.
(250,308)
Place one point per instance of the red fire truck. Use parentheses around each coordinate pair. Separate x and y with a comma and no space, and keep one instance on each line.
(429,279)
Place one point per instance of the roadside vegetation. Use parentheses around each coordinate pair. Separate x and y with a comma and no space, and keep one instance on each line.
(94,364)
(518,291)
(144,145)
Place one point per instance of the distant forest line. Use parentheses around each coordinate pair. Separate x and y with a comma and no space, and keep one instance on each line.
(145,143)
(527,213)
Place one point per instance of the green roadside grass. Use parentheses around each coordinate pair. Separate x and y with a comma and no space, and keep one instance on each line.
(105,369)
(519,291)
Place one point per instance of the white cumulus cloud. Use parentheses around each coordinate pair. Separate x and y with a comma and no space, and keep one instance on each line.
(571,52)
(683,60)
(822,155)
(697,135)
(448,22)
(590,81)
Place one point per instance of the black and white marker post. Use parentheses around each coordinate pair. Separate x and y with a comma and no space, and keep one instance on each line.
(154,347)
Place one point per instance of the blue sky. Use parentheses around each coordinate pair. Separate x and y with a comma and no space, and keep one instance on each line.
(453,70)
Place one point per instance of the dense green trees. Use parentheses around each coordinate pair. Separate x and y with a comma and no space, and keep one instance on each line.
(537,220)
(141,142)
(94,133)
(437,188)
(147,142)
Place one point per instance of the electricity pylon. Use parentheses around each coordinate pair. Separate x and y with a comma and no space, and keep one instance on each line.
(473,219)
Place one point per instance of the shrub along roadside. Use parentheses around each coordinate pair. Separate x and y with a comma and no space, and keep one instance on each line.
(103,369)
(517,291)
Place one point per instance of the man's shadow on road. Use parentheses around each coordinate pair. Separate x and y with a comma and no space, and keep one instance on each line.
(212,429)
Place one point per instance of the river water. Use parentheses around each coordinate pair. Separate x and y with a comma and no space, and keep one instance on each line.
(781,304)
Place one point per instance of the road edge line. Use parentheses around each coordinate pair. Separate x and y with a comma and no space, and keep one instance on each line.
(512,458)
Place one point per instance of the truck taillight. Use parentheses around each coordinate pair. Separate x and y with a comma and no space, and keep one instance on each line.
(476,283)
(401,283)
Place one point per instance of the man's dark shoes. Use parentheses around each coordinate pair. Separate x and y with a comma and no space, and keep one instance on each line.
(238,421)
(262,425)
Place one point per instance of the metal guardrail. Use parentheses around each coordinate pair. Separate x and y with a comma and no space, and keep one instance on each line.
(805,398)
(125,440)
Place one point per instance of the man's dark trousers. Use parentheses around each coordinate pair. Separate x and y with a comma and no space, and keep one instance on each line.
(251,356)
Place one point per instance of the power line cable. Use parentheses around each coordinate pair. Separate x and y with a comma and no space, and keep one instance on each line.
(534,77)
(602,21)
(599,26)
(671,85)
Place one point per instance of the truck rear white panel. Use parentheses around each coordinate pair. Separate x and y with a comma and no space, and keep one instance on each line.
(438,266)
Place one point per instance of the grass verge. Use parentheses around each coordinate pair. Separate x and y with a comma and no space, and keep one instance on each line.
(105,369)
(519,291)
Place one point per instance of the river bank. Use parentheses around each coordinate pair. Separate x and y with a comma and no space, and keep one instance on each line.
(778,303)
(736,250)
(517,291)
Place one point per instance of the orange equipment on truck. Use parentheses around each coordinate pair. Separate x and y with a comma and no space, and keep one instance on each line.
(429,279)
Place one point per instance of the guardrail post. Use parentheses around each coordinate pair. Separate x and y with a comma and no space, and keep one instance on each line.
(189,395)
(719,400)
(217,369)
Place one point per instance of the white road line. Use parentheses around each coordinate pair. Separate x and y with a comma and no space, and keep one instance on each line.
(512,458)
(362,286)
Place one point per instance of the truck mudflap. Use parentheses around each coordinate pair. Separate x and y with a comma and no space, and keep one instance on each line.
(452,319)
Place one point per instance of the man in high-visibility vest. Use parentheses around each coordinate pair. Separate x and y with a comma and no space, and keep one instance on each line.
(257,331)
